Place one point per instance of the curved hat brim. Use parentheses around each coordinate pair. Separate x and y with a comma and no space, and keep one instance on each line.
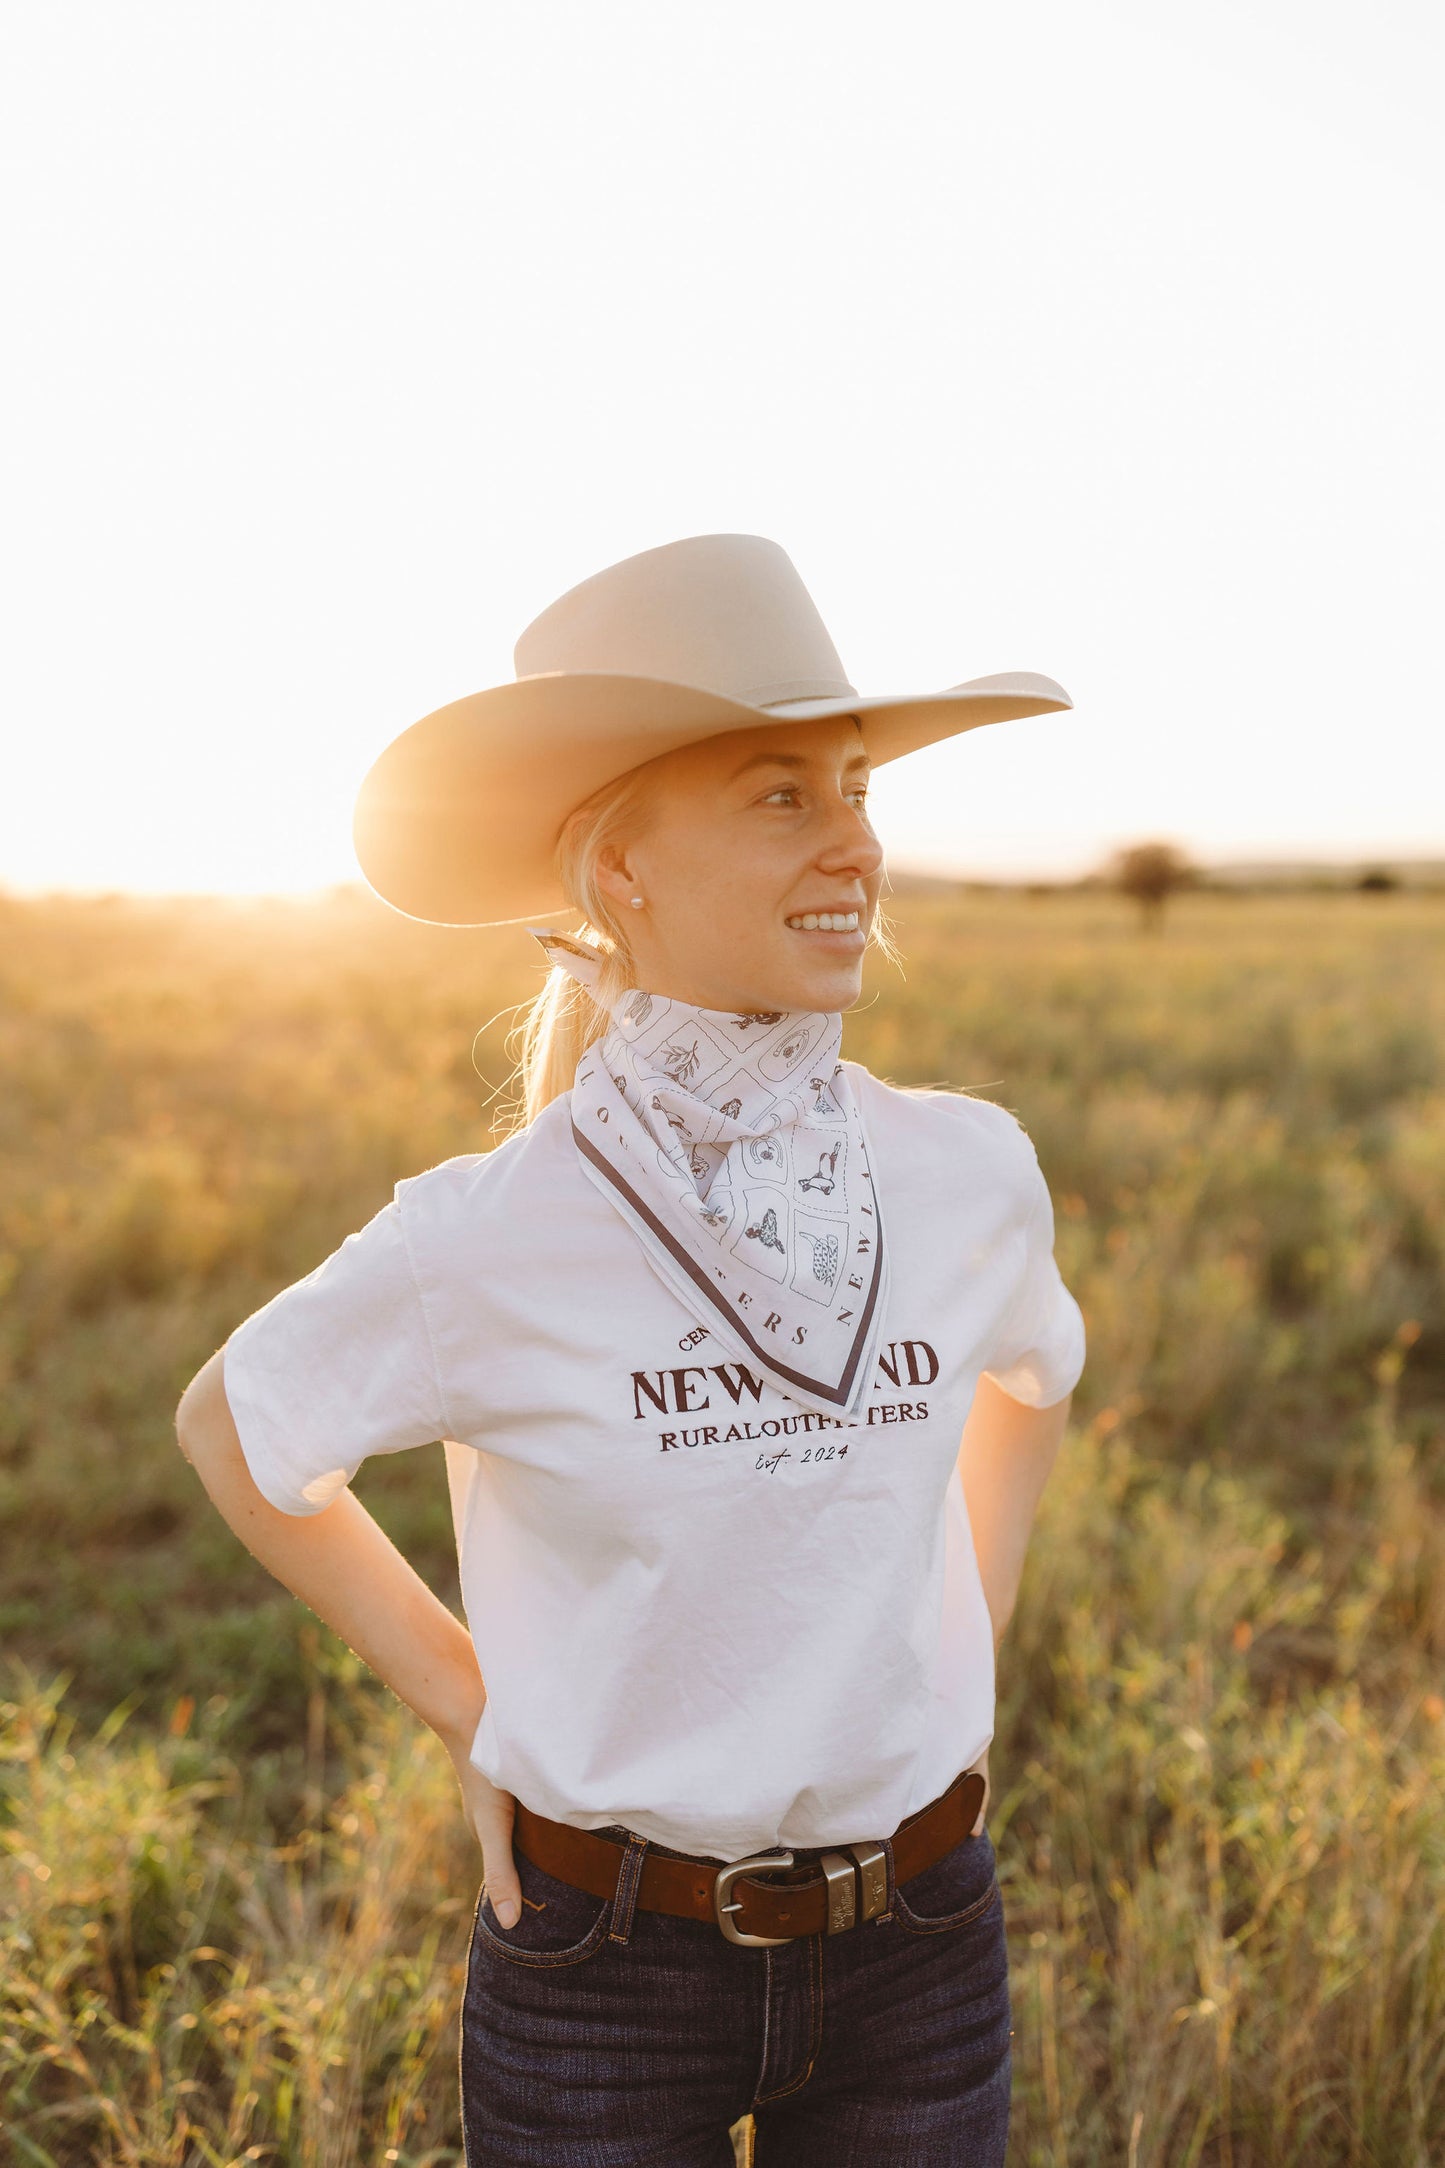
(456,823)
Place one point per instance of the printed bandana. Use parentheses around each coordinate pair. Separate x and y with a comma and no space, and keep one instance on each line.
(733,1146)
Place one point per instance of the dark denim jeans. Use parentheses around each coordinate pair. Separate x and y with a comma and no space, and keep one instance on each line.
(597,2035)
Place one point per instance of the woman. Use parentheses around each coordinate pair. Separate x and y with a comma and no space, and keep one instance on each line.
(752,1368)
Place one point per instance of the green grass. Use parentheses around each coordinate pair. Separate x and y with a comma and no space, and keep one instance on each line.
(234,1886)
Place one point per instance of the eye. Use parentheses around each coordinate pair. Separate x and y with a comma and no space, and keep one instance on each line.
(790,790)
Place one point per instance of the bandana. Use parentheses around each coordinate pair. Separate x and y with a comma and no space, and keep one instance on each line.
(733,1146)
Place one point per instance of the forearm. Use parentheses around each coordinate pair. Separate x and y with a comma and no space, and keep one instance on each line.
(1005,1459)
(346,1568)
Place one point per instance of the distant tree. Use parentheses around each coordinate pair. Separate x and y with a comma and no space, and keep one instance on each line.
(1150,873)
(1377,880)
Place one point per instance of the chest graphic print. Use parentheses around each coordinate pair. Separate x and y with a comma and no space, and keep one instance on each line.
(733,1145)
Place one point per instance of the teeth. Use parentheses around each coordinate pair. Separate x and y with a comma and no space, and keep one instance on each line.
(825,922)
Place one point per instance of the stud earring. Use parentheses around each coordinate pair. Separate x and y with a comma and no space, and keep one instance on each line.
(637,903)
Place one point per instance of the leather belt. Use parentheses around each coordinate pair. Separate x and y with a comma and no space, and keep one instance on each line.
(848,1884)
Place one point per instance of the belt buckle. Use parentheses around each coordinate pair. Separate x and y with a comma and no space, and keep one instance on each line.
(843,1887)
(722,1890)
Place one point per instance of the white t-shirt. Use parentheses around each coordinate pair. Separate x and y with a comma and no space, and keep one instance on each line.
(699,1612)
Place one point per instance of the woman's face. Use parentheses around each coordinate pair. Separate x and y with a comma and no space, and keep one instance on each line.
(749,833)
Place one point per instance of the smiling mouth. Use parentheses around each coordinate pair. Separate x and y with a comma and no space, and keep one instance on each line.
(824,922)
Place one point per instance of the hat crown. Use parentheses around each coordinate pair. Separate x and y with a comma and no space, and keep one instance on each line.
(727,613)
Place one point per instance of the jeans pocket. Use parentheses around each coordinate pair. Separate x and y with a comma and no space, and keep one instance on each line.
(559,1925)
(961,1887)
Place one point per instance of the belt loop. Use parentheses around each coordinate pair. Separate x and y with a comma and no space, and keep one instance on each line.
(624,1901)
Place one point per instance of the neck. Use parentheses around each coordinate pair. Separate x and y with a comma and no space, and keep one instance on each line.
(719,1006)
(585,962)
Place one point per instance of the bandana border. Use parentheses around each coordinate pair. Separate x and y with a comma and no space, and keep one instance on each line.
(838,1397)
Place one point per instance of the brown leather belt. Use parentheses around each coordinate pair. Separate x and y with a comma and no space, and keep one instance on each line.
(847,1885)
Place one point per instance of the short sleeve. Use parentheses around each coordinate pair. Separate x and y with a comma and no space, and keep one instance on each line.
(1039,1349)
(335,1368)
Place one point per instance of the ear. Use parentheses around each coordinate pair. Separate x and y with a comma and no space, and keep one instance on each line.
(614,875)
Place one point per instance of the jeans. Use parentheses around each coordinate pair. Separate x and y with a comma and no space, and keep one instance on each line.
(597,2035)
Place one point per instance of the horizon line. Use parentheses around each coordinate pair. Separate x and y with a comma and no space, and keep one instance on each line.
(1096,875)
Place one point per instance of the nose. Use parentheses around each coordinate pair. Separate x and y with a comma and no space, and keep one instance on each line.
(851,845)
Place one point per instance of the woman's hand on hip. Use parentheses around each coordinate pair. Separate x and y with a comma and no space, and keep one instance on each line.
(491,1814)
(982,1765)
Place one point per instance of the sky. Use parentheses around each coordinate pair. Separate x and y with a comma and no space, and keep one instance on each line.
(1103,341)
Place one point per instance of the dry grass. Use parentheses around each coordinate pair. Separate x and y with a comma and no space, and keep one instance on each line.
(234,1888)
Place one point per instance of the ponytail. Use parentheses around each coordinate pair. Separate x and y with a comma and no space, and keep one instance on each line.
(563,1020)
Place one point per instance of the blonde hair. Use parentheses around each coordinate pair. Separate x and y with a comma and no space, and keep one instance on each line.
(563,1020)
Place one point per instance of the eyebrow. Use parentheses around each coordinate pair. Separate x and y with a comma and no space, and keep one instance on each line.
(793,760)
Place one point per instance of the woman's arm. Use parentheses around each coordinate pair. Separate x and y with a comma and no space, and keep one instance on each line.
(1005,1459)
(341,1563)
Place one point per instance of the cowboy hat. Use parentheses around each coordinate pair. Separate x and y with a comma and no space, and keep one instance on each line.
(457,822)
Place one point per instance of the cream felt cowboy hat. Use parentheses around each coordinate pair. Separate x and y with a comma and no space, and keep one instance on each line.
(458,820)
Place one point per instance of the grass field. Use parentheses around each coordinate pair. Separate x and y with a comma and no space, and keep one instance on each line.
(235,1891)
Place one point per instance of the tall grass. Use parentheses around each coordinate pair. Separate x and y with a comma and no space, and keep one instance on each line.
(235,1889)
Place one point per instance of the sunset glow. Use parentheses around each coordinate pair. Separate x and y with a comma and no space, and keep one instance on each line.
(1091,342)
